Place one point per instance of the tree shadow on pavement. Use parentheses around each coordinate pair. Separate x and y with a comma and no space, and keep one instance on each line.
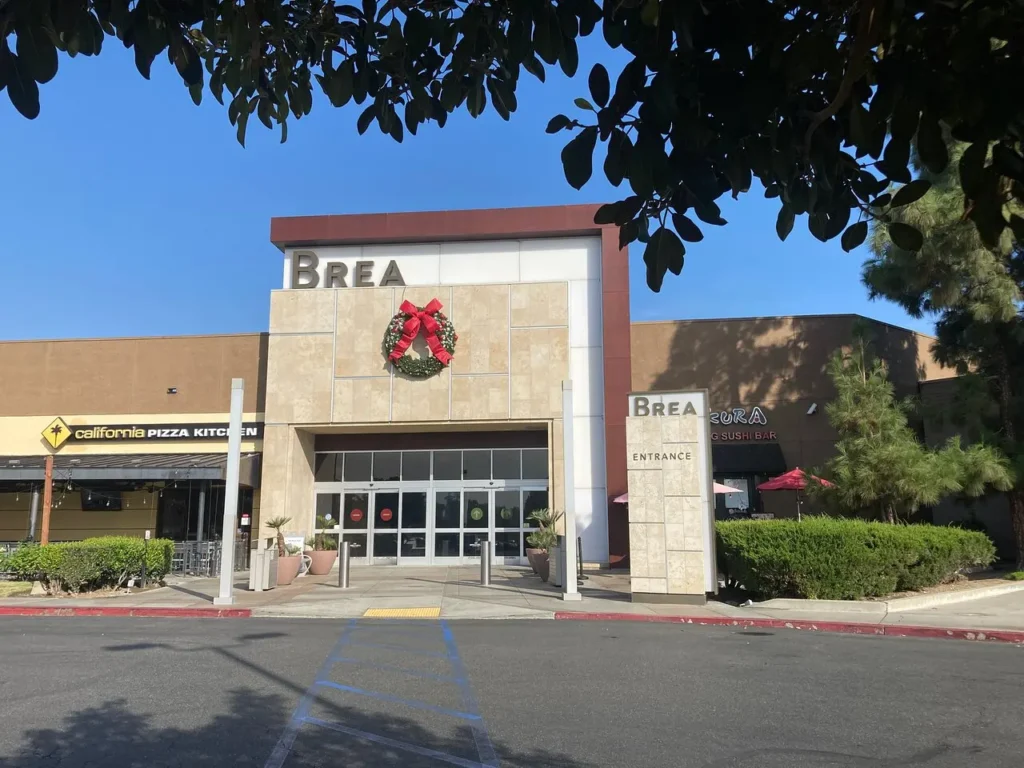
(245,732)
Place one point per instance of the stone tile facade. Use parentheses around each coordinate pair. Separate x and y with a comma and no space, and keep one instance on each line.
(666,515)
(327,366)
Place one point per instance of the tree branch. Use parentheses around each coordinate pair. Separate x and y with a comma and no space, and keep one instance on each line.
(866,30)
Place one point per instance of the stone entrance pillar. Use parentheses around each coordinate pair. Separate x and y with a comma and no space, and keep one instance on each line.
(671,542)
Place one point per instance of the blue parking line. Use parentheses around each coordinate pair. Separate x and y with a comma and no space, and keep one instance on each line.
(413,703)
(484,747)
(396,668)
(284,744)
(395,743)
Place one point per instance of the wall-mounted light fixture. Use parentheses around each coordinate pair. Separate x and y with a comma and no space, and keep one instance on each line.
(172,390)
(813,409)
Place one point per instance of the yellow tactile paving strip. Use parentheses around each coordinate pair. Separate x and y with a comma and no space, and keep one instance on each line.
(403,613)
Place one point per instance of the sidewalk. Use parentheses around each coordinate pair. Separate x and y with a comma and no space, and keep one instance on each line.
(455,593)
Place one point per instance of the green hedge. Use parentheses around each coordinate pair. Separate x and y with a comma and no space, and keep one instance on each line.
(843,559)
(106,561)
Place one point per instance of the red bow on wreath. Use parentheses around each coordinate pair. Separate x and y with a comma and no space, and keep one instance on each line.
(421,318)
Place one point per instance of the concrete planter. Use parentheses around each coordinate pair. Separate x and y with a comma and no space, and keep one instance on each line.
(554,564)
(288,569)
(321,562)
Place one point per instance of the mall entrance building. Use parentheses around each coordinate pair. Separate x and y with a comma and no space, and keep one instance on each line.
(420,467)
(351,426)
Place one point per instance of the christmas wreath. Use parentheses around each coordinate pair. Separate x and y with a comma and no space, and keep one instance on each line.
(406,326)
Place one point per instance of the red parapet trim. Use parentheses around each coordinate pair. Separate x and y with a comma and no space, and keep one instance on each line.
(846,627)
(139,613)
(430,226)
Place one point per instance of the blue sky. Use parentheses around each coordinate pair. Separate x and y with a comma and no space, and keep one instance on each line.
(127,210)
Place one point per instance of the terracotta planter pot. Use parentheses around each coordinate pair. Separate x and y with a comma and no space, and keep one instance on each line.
(322,561)
(531,556)
(543,564)
(288,569)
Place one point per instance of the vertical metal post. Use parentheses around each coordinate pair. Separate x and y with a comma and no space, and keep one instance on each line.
(227,543)
(145,558)
(485,562)
(33,514)
(202,512)
(344,561)
(569,589)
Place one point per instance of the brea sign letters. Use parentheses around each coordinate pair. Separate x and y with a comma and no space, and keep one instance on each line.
(306,273)
(642,406)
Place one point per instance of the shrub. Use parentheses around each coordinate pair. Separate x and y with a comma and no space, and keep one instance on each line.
(106,561)
(842,559)
(1016,576)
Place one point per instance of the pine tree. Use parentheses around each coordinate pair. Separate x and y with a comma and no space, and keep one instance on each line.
(880,463)
(975,294)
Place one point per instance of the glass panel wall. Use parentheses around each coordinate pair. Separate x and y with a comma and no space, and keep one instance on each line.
(425,506)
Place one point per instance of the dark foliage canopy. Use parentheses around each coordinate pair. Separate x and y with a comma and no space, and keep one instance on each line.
(819,100)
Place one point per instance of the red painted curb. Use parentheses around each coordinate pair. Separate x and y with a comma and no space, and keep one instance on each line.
(892,630)
(141,613)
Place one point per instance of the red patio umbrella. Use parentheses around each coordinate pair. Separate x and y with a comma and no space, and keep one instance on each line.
(794,480)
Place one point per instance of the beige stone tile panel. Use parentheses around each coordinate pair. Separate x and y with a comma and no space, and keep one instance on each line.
(540,362)
(302,311)
(681,476)
(362,318)
(421,399)
(638,559)
(656,550)
(479,397)
(274,479)
(536,304)
(361,400)
(299,380)
(480,315)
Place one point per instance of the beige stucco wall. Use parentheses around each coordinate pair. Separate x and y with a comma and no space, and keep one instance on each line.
(326,368)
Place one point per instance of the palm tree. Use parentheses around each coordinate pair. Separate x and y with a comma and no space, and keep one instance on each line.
(277,523)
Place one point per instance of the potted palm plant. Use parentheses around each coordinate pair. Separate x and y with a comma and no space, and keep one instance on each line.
(288,563)
(322,549)
(542,540)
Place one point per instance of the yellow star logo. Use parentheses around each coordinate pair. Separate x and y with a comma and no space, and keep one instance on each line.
(56,433)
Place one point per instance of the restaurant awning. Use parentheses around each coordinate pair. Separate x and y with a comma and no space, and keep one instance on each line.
(130,466)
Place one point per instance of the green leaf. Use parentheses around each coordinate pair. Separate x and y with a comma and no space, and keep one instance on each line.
(772,190)
(881,201)
(1008,162)
(196,92)
(607,213)
(854,236)
(784,222)
(366,118)
(37,53)
(617,160)
(687,230)
(709,213)
(600,85)
(188,64)
(664,252)
(578,158)
(911,193)
(650,12)
(22,90)
(570,58)
(972,166)
(558,123)
(532,65)
(931,146)
(905,236)
(583,104)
